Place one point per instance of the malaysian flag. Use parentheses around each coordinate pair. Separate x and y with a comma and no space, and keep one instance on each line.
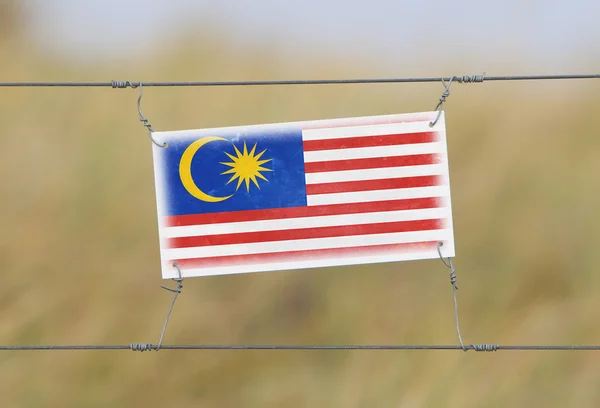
(303,195)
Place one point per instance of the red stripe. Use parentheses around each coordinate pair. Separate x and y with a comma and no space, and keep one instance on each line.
(373,163)
(304,233)
(314,254)
(369,141)
(370,185)
(297,212)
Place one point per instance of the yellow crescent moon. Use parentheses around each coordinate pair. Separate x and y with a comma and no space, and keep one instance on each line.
(185,170)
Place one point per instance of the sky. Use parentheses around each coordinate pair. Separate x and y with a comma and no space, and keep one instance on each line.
(546,35)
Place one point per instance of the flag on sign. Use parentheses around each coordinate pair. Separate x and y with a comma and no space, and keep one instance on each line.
(303,195)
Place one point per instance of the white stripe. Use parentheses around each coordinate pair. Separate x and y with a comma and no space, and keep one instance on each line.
(305,222)
(375,174)
(306,244)
(366,130)
(374,152)
(169,272)
(401,118)
(378,195)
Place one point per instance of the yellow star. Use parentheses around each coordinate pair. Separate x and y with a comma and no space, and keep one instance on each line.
(246,166)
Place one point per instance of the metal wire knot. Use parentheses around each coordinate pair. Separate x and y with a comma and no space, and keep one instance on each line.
(179,280)
(448,265)
(484,347)
(466,79)
(141,347)
(443,98)
(123,84)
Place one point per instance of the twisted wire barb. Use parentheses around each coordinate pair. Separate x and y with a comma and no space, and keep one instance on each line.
(125,84)
(470,79)
(142,347)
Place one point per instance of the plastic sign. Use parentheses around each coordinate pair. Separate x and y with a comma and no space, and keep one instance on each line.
(303,195)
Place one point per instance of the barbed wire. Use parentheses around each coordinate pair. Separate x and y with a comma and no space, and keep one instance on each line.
(459,79)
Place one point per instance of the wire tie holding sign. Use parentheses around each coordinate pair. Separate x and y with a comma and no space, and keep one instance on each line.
(465,79)
(176,291)
(146,346)
(454,289)
(147,125)
(145,121)
(440,104)
(476,347)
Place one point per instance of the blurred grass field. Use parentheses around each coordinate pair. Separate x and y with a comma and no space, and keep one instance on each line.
(79,246)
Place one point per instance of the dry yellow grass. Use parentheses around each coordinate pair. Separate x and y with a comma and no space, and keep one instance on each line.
(78,247)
